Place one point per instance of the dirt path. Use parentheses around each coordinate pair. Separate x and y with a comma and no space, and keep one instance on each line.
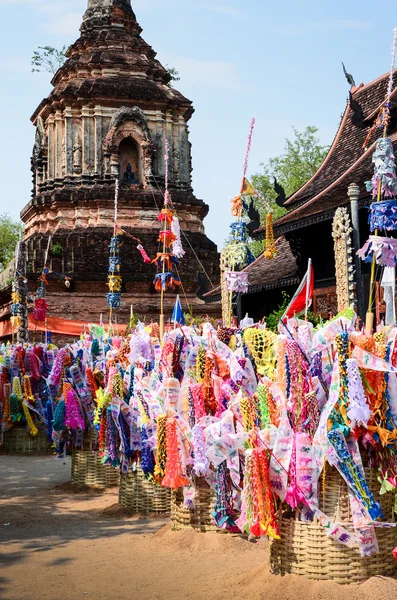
(56,544)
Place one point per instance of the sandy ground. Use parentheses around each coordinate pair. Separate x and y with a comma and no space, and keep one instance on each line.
(57,544)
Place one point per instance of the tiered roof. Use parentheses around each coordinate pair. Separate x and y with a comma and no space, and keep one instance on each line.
(345,163)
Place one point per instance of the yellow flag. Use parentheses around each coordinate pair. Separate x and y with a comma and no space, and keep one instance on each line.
(247,189)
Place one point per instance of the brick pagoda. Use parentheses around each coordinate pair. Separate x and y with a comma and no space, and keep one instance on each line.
(108,117)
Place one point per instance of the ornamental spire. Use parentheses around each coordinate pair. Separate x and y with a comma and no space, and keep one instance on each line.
(107,12)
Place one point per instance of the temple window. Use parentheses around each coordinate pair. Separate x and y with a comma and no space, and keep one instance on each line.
(130,162)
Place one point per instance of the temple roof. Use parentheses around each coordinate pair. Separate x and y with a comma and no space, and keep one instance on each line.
(110,61)
(264,274)
(344,164)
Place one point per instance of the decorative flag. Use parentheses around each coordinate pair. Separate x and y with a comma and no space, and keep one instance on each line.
(247,189)
(177,315)
(303,296)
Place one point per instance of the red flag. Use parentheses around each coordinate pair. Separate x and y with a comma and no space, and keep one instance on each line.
(303,296)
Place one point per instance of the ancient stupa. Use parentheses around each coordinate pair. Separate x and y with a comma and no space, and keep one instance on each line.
(108,117)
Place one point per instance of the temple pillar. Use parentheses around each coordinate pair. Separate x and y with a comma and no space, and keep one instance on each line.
(68,116)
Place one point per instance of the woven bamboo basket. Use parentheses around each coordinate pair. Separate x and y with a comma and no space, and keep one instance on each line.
(88,469)
(138,494)
(200,518)
(305,549)
(18,440)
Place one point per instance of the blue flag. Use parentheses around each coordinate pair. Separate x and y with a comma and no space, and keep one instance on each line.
(177,315)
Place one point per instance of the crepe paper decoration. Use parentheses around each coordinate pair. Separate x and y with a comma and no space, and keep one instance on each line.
(201,462)
(146,258)
(114,300)
(174,477)
(40,309)
(258,496)
(177,369)
(247,414)
(352,475)
(102,433)
(49,408)
(110,454)
(166,281)
(385,170)
(167,237)
(73,417)
(114,278)
(237,207)
(147,458)
(358,411)
(210,402)
(161,448)
(117,386)
(177,249)
(383,216)
(166,215)
(239,232)
(59,417)
(261,344)
(164,258)
(271,250)
(172,391)
(15,409)
(239,255)
(338,417)
(7,407)
(224,513)
(102,400)
(198,401)
(237,282)
(33,431)
(248,150)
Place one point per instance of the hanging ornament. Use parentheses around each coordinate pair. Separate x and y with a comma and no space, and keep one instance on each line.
(114,278)
(384,249)
(237,281)
(383,216)
(177,249)
(385,171)
(271,251)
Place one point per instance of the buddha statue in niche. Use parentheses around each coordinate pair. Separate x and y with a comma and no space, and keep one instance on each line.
(129,176)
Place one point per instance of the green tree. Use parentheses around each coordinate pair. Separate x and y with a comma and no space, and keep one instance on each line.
(48,59)
(10,232)
(173,74)
(300,160)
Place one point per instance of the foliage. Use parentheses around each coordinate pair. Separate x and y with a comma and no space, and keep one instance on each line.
(48,59)
(56,250)
(300,160)
(173,74)
(193,321)
(10,233)
(273,319)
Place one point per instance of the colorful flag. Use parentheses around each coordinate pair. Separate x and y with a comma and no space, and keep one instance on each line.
(247,189)
(303,296)
(177,315)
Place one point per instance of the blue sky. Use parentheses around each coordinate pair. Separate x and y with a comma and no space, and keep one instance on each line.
(277,61)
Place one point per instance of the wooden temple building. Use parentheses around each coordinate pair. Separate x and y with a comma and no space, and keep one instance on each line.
(108,116)
(305,231)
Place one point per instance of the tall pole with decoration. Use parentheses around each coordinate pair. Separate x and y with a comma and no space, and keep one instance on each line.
(383,186)
(237,254)
(167,260)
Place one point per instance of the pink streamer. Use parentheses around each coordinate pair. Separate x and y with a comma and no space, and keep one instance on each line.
(252,125)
